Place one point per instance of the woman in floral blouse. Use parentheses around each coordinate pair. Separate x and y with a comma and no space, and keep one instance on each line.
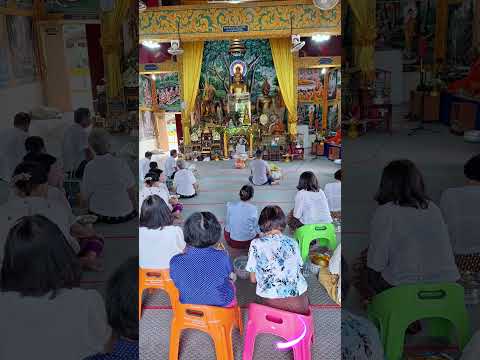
(360,340)
(275,265)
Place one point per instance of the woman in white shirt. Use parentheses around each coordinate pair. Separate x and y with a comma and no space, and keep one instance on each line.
(241,223)
(311,204)
(333,192)
(31,197)
(45,303)
(108,186)
(185,182)
(406,230)
(159,240)
(461,211)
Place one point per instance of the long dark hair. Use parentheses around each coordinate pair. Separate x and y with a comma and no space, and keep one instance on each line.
(402,183)
(308,182)
(38,259)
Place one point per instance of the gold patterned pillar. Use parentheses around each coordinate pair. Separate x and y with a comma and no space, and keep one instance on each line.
(185,118)
(293,120)
(441,29)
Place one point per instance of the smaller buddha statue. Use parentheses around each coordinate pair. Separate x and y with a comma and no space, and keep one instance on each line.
(238,86)
(277,127)
(265,101)
(208,106)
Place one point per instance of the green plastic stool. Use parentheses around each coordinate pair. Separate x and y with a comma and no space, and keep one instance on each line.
(324,233)
(395,309)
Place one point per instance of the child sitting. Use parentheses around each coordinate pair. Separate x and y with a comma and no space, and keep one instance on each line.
(154,185)
(275,265)
(241,224)
(311,204)
(203,274)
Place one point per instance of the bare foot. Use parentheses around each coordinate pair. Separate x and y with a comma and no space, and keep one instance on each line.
(276,183)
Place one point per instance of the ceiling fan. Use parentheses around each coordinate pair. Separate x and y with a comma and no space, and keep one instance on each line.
(325,4)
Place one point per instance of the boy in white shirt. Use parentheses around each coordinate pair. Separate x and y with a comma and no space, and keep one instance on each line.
(171,166)
(76,150)
(12,146)
(144,164)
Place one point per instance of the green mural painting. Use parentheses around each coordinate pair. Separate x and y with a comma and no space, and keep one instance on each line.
(260,67)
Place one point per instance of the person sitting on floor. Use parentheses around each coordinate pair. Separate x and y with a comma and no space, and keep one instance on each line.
(121,305)
(34,145)
(360,338)
(31,191)
(406,227)
(241,222)
(185,182)
(55,180)
(203,274)
(75,148)
(154,185)
(144,164)
(311,204)
(171,164)
(12,146)
(333,192)
(41,298)
(460,208)
(159,239)
(261,173)
(108,187)
(275,265)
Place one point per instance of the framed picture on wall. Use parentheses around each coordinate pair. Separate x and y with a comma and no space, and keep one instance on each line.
(147,127)
(332,85)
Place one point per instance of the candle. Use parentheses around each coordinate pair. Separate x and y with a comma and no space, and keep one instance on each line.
(251,144)
(225,145)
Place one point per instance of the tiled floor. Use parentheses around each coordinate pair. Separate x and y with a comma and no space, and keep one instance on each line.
(220,183)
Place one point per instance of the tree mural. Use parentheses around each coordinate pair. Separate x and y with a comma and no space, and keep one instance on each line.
(216,62)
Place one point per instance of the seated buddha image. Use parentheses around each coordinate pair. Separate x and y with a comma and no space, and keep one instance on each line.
(277,127)
(265,101)
(208,106)
(238,86)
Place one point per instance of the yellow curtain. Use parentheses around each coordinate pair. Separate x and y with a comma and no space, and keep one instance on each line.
(285,68)
(364,35)
(111,26)
(191,68)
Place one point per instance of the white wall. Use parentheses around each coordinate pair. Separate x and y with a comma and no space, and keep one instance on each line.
(17,99)
(391,60)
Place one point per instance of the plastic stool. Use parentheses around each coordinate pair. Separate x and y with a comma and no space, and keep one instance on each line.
(395,309)
(218,322)
(156,279)
(289,326)
(324,233)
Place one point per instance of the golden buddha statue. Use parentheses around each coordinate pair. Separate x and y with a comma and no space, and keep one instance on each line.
(238,86)
(265,101)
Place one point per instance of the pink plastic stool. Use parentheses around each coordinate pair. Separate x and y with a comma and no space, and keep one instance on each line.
(287,325)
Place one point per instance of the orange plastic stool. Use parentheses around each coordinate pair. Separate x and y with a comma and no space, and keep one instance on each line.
(218,322)
(156,279)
